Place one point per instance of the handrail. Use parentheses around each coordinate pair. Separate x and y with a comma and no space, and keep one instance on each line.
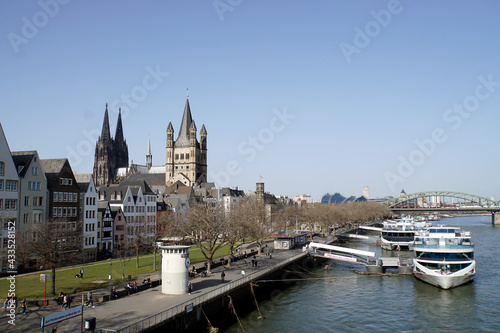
(157,318)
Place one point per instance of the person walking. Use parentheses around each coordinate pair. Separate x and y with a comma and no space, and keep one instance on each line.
(90,301)
(190,288)
(81,273)
(222,276)
(242,273)
(65,301)
(23,306)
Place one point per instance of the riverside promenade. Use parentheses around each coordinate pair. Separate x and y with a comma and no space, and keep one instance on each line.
(111,316)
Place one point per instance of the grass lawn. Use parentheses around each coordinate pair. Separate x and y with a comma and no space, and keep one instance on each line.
(95,275)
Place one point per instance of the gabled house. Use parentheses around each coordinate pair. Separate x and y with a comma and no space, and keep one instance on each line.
(63,207)
(88,204)
(138,204)
(32,202)
(119,228)
(104,230)
(9,204)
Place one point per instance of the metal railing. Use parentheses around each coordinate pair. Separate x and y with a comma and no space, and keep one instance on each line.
(162,316)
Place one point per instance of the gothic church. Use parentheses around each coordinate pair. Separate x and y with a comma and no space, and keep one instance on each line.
(186,157)
(110,154)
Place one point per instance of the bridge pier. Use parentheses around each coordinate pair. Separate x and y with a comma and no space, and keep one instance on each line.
(495,218)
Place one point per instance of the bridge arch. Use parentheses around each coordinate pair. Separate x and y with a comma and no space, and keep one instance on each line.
(440,199)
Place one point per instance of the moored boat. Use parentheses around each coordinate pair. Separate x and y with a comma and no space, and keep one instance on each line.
(444,256)
(399,234)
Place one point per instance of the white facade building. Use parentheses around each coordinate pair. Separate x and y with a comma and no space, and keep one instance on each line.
(88,204)
(9,205)
(138,204)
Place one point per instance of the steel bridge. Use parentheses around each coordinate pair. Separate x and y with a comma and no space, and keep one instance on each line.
(444,201)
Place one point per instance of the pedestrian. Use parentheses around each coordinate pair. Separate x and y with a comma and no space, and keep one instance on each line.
(242,273)
(60,298)
(135,286)
(23,306)
(114,294)
(190,288)
(65,302)
(54,330)
(253,262)
(222,275)
(6,303)
(90,301)
(81,273)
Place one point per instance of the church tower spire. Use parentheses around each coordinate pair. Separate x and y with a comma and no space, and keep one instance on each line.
(149,157)
(186,158)
(105,133)
(120,145)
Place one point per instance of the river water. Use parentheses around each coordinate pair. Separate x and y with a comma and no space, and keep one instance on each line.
(339,300)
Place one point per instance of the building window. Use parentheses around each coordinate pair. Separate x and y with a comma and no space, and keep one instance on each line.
(10,204)
(2,168)
(176,156)
(26,201)
(187,156)
(1,184)
(34,171)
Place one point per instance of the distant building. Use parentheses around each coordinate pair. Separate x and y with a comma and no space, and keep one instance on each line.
(186,157)
(110,154)
(337,198)
(366,192)
(303,199)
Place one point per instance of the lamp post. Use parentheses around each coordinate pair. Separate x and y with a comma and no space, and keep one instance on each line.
(154,256)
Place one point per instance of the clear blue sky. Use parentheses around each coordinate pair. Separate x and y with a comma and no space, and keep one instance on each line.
(306,96)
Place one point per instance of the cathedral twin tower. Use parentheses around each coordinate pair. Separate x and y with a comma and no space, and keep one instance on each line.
(186,157)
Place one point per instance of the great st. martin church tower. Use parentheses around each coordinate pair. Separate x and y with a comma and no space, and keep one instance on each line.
(186,157)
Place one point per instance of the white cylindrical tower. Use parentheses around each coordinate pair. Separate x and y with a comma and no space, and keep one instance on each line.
(174,270)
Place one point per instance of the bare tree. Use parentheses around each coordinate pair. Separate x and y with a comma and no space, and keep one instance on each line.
(56,243)
(121,249)
(235,232)
(206,224)
(257,222)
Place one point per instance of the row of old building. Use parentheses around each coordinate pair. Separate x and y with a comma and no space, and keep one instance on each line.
(90,221)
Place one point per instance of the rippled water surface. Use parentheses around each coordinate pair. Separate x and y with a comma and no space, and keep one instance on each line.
(341,301)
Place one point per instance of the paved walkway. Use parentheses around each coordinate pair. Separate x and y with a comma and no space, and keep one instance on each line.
(126,310)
